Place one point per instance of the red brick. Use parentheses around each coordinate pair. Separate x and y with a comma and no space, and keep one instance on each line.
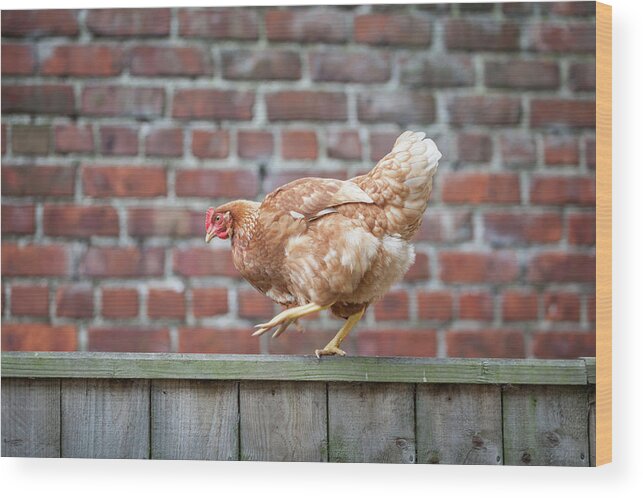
(166,303)
(275,180)
(254,305)
(308,105)
(591,308)
(560,190)
(561,150)
(562,37)
(419,270)
(118,141)
(38,99)
(563,112)
(30,300)
(437,71)
(210,144)
(164,222)
(397,343)
(17,58)
(474,267)
(31,140)
(209,301)
(222,341)
(123,181)
(122,262)
(315,24)
(485,344)
(219,23)
(522,74)
(293,342)
(75,301)
(18,219)
(582,229)
(517,9)
(129,101)
(119,303)
(350,67)
(34,261)
(393,306)
(392,29)
(480,188)
(474,147)
(164,142)
(571,8)
(343,144)
(169,61)
(39,23)
(72,138)
(129,340)
(38,336)
(476,8)
(298,144)
(519,305)
(37,180)
(69,220)
(517,150)
(582,77)
(562,267)
(561,306)
(590,153)
(254,144)
(475,305)
(381,143)
(82,61)
(261,65)
(475,35)
(204,262)
(484,110)
(201,103)
(400,107)
(564,345)
(129,22)
(435,305)
(502,229)
(450,226)
(216,183)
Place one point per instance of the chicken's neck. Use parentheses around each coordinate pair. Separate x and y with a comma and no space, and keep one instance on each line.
(244,221)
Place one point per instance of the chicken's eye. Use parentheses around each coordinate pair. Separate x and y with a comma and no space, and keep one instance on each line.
(218,218)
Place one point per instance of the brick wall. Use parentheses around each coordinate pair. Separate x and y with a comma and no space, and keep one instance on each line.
(120,127)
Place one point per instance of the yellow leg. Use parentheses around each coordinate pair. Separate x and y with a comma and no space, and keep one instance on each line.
(289,315)
(333,346)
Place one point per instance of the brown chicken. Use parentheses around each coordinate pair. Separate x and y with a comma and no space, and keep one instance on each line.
(316,244)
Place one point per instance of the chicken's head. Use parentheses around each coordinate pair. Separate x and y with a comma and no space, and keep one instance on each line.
(217,224)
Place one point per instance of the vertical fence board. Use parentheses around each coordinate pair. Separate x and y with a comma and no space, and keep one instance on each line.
(283,421)
(592,425)
(371,422)
(30,417)
(459,424)
(105,418)
(195,420)
(545,425)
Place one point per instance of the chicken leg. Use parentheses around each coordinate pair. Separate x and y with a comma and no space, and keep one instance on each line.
(332,347)
(288,316)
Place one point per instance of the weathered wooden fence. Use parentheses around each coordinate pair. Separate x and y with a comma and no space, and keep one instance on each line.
(285,408)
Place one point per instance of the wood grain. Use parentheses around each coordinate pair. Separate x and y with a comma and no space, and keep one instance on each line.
(194,420)
(105,418)
(545,425)
(459,424)
(371,423)
(31,418)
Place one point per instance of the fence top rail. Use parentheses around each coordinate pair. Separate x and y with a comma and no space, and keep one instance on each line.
(298,368)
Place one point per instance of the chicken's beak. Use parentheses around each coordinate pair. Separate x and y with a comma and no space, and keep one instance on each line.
(209,236)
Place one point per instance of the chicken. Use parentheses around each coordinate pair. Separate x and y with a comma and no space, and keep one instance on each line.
(316,244)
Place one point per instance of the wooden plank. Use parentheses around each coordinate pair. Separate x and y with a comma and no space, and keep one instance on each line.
(371,423)
(604,233)
(195,420)
(105,418)
(293,368)
(590,365)
(459,424)
(592,425)
(545,425)
(31,418)
(283,421)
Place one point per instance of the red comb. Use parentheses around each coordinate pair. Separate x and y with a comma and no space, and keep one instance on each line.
(208,217)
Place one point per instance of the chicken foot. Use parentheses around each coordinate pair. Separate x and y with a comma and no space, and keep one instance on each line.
(332,347)
(286,317)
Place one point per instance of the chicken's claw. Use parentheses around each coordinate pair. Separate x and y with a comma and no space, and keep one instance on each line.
(329,351)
